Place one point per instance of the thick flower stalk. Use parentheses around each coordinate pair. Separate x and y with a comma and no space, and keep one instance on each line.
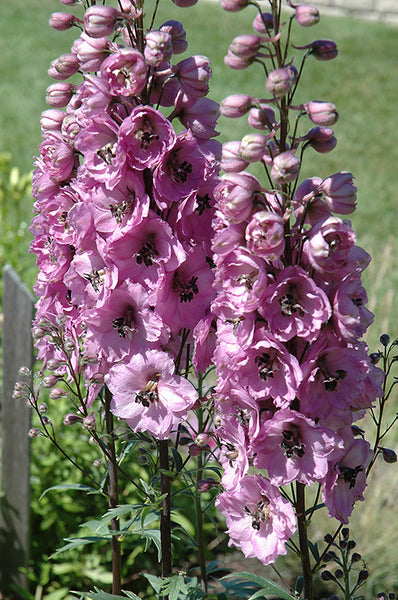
(293,373)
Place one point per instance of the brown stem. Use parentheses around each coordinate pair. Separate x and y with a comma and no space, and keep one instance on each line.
(303,541)
(165,523)
(113,491)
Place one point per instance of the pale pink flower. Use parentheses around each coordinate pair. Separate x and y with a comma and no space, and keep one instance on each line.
(259,520)
(265,235)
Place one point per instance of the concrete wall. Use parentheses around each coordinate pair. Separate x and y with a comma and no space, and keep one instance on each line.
(380,10)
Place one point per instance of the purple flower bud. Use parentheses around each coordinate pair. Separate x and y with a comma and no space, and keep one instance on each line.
(389,456)
(69,346)
(194,450)
(71,419)
(307,15)
(184,3)
(59,94)
(235,62)
(322,139)
(34,432)
(231,161)
(42,408)
(100,21)
(38,333)
(50,381)
(17,394)
(97,378)
(321,113)
(51,121)
(23,372)
(245,46)
(279,82)
(158,48)
(57,393)
(262,117)
(385,339)
(62,21)
(234,5)
(285,167)
(178,35)
(362,575)
(252,147)
(236,105)
(263,23)
(202,439)
(89,421)
(204,485)
(63,67)
(324,49)
(53,364)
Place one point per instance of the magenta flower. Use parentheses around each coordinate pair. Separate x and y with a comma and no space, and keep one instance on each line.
(351,318)
(148,394)
(346,480)
(259,520)
(144,136)
(295,306)
(292,447)
(265,235)
(125,71)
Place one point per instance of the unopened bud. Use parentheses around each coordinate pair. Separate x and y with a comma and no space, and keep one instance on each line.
(389,456)
(57,393)
(345,532)
(97,463)
(236,105)
(62,21)
(339,573)
(100,21)
(307,15)
(204,485)
(69,346)
(195,450)
(245,46)
(178,35)
(263,23)
(50,381)
(279,82)
(362,575)
(231,161)
(385,339)
(285,167)
(64,67)
(324,49)
(53,364)
(34,432)
(202,439)
(42,408)
(322,139)
(321,113)
(356,557)
(252,147)
(184,3)
(71,419)
(59,94)
(234,5)
(327,576)
(262,117)
(89,421)
(90,358)
(17,394)
(158,48)
(97,378)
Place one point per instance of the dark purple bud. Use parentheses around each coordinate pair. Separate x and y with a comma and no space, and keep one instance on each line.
(263,23)
(385,339)
(345,532)
(339,573)
(389,456)
(327,576)
(322,139)
(204,485)
(375,357)
(362,575)
(356,557)
(324,49)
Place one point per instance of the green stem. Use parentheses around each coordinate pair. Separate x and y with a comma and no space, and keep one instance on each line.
(303,542)
(198,504)
(113,497)
(165,519)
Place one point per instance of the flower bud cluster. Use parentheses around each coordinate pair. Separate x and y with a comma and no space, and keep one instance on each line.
(124,206)
(293,373)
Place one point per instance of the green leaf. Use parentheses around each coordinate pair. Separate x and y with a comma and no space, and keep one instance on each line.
(267,586)
(177,459)
(71,486)
(156,582)
(99,595)
(173,586)
(131,595)
(78,543)
(97,527)
(299,585)
(314,550)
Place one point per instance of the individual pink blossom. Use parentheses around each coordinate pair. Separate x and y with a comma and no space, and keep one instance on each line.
(351,318)
(158,48)
(279,82)
(321,113)
(339,192)
(285,167)
(100,21)
(236,194)
(292,447)
(125,71)
(148,394)
(295,306)
(265,235)
(91,52)
(144,136)
(258,519)
(346,479)
(178,35)
(193,74)
(236,105)
(231,160)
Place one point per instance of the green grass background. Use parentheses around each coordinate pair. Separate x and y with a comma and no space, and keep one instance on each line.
(362,82)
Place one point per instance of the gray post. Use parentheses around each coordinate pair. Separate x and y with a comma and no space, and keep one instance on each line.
(15,417)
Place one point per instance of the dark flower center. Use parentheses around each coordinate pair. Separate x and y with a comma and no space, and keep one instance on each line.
(203,202)
(290,305)
(260,513)
(349,474)
(181,171)
(264,363)
(146,135)
(122,208)
(187,290)
(149,393)
(147,253)
(125,324)
(95,278)
(107,153)
(291,444)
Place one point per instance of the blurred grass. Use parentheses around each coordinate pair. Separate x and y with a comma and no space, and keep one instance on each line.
(362,82)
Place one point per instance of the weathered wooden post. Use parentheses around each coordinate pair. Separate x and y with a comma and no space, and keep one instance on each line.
(15,419)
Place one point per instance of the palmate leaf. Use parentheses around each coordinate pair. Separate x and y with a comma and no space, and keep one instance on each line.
(267,585)
(100,595)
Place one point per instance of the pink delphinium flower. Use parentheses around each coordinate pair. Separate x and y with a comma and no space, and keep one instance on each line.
(148,394)
(259,520)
